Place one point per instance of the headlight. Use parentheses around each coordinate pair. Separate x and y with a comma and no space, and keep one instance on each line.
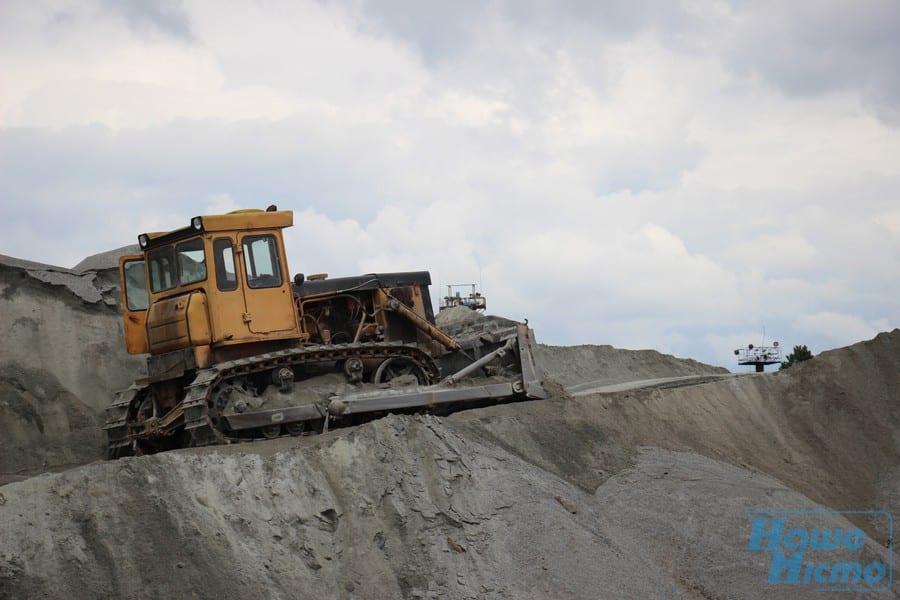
(143,240)
(197,223)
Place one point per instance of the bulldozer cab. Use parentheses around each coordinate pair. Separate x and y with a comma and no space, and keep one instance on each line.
(222,281)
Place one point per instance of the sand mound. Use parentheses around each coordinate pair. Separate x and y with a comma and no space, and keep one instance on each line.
(633,480)
(44,425)
(457,314)
(463,322)
(61,359)
(402,507)
(829,427)
(579,368)
(106,260)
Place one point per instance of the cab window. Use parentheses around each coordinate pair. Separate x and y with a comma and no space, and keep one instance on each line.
(226,278)
(261,261)
(162,269)
(136,297)
(191,261)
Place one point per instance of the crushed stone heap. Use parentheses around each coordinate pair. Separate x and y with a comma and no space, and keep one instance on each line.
(633,480)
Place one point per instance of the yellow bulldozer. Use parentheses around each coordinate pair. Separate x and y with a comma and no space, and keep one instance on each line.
(238,350)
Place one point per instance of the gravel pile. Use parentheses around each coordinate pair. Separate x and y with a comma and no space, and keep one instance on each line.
(634,480)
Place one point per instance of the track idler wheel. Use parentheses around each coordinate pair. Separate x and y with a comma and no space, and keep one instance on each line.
(400,367)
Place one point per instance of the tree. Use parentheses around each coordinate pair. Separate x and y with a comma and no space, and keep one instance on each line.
(799,354)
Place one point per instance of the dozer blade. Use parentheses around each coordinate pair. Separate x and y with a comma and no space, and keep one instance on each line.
(530,360)
(451,389)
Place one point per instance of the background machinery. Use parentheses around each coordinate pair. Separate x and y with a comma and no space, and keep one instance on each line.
(239,351)
(474,300)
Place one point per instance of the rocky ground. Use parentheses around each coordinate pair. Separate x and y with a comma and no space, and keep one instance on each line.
(634,480)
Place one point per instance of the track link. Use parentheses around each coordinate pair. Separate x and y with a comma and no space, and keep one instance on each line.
(117,421)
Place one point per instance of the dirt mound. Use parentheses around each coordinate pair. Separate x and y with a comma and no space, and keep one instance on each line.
(456,314)
(633,480)
(402,507)
(579,368)
(556,498)
(45,426)
(463,322)
(61,359)
(106,260)
(828,428)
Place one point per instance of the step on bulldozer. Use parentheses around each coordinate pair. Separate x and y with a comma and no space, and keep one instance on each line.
(239,351)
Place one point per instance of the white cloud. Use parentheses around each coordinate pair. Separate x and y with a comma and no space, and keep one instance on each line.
(771,251)
(218,204)
(838,328)
(890,220)
(626,175)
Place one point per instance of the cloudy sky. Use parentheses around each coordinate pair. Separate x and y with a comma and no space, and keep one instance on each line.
(671,175)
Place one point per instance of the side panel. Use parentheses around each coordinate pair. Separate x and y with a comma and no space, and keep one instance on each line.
(133,284)
(179,322)
(197,315)
(166,325)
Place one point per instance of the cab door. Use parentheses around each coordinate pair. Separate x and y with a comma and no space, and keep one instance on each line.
(227,297)
(268,298)
(135,301)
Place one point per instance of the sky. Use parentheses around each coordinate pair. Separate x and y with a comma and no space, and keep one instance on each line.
(688,176)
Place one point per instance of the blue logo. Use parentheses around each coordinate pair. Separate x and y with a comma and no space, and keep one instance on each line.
(804,552)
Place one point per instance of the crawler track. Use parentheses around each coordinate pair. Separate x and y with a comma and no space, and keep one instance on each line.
(191,422)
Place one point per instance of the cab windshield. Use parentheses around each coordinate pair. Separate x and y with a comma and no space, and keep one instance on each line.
(182,264)
(191,261)
(161,265)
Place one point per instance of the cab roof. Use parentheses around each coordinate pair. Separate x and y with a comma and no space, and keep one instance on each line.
(238,220)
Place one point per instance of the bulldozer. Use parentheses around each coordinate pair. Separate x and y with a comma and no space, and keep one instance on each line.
(239,351)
